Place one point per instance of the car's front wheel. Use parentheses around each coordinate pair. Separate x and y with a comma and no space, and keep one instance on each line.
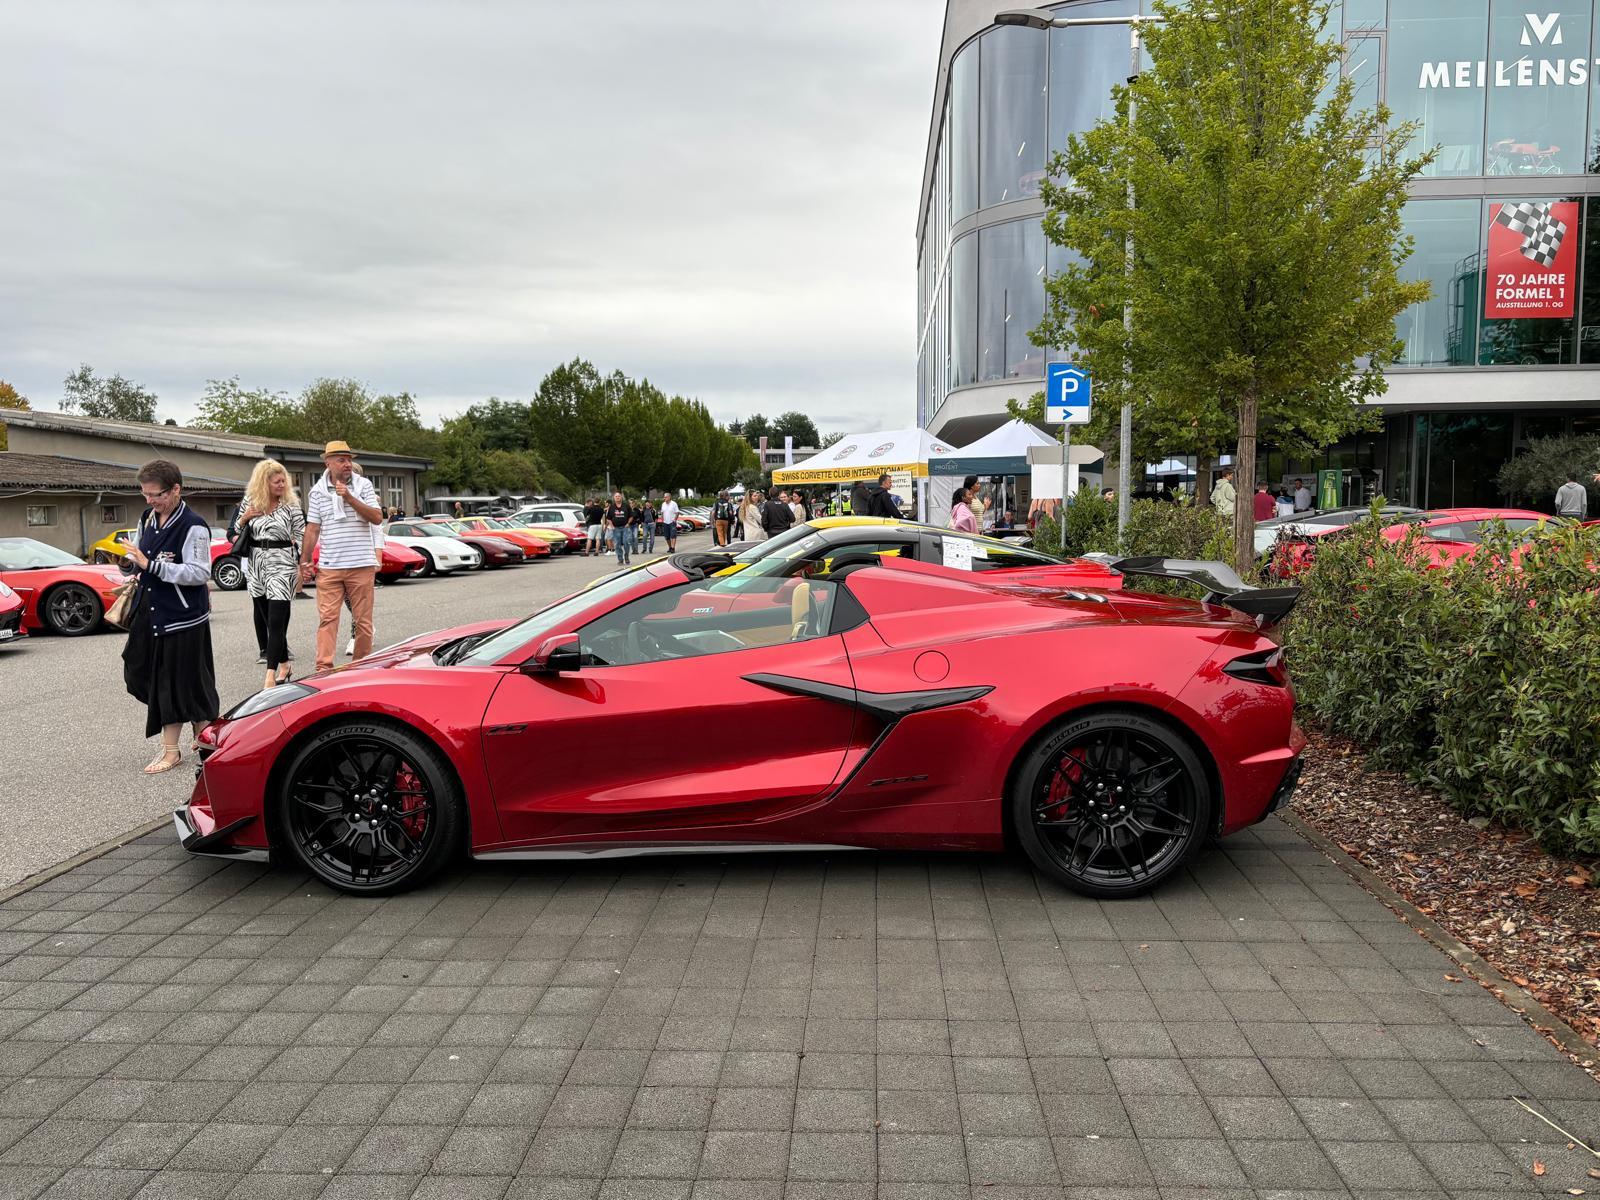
(428,567)
(1111,803)
(369,808)
(71,610)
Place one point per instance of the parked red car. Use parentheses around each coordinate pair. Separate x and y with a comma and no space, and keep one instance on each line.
(11,607)
(1444,535)
(395,562)
(901,704)
(59,591)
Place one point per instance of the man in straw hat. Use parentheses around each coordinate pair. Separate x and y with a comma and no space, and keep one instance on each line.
(342,513)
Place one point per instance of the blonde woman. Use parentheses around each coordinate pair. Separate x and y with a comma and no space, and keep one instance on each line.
(276,523)
(750,517)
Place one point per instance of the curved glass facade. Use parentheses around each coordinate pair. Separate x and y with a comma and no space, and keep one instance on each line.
(1504,88)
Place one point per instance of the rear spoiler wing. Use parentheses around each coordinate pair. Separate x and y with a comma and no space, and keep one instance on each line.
(1221,583)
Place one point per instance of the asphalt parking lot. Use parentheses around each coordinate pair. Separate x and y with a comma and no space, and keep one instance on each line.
(71,750)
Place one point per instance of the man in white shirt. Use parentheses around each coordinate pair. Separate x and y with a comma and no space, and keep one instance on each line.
(669,521)
(1302,496)
(341,513)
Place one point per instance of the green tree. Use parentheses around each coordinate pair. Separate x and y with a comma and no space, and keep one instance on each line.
(1533,476)
(336,409)
(1265,280)
(828,439)
(113,399)
(231,408)
(459,461)
(14,400)
(796,425)
(755,427)
(503,424)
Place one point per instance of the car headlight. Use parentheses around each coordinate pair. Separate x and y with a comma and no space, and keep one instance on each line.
(272,697)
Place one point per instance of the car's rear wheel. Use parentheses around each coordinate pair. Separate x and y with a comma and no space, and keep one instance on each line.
(369,808)
(71,610)
(1111,803)
(228,573)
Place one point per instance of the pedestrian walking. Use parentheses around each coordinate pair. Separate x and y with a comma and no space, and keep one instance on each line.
(776,515)
(460,512)
(166,662)
(1222,494)
(961,518)
(342,514)
(1572,498)
(750,518)
(594,514)
(619,521)
(669,521)
(861,498)
(647,525)
(722,518)
(276,528)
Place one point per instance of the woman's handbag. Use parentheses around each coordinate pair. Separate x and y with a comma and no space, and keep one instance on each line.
(120,611)
(244,543)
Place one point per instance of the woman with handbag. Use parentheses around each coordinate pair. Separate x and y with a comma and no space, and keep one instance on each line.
(271,526)
(166,664)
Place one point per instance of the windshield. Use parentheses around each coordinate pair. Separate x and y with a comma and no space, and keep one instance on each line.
(787,538)
(432,529)
(526,633)
(24,554)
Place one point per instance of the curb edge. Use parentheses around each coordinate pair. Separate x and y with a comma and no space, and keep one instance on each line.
(77,860)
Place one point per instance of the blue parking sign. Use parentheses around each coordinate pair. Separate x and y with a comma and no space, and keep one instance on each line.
(1066,394)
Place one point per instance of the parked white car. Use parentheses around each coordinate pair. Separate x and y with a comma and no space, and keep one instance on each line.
(555,513)
(442,552)
(1314,524)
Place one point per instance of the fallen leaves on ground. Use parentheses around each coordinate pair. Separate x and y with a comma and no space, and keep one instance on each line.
(1532,916)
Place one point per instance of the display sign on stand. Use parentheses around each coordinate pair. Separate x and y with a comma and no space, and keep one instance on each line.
(1066,403)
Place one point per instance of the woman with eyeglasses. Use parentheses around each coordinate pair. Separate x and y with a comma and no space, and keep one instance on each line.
(166,664)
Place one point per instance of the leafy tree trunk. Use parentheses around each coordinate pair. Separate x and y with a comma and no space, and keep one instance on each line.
(1244,482)
(1205,468)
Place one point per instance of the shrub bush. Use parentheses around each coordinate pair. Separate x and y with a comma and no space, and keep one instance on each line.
(1532,476)
(1154,527)
(1479,678)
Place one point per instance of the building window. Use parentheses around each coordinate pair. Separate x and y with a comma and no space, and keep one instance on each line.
(1538,106)
(397,491)
(1434,55)
(964,311)
(1011,115)
(1363,14)
(1010,300)
(964,132)
(41,514)
(225,512)
(113,514)
(1086,62)
(1443,330)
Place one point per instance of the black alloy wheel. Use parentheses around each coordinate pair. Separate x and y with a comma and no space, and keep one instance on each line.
(72,610)
(369,808)
(228,573)
(1111,804)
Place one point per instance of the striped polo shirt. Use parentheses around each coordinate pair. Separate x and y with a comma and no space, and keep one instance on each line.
(346,536)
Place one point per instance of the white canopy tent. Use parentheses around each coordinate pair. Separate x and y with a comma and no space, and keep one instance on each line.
(902,453)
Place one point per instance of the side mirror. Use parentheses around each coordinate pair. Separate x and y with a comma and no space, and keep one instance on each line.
(558,653)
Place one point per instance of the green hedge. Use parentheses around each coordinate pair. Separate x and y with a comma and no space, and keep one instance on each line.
(1481,679)
(1154,527)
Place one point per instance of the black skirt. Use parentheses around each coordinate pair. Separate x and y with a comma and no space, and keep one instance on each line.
(172,676)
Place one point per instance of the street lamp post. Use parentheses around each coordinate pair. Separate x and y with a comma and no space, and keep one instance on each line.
(1041,18)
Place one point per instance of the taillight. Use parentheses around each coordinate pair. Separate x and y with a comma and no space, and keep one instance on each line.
(1262,666)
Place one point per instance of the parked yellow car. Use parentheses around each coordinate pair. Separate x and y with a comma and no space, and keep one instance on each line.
(112,547)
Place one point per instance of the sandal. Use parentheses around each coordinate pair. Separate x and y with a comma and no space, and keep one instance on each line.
(159,765)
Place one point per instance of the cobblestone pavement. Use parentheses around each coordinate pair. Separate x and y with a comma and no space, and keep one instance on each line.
(833,1028)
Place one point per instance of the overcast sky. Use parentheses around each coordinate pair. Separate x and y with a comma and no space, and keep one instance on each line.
(450,197)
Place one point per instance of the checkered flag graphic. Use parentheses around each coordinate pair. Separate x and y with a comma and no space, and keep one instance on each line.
(1541,232)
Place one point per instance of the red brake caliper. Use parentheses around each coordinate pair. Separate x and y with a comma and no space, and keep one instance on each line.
(408,790)
(1062,783)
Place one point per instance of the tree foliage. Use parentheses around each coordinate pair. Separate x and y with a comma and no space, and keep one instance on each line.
(1267,240)
(228,406)
(798,426)
(12,399)
(113,399)
(1533,476)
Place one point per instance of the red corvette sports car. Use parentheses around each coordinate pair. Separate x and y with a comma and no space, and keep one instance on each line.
(394,562)
(902,704)
(1442,535)
(11,607)
(60,592)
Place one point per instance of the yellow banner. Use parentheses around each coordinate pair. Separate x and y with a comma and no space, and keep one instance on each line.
(847,474)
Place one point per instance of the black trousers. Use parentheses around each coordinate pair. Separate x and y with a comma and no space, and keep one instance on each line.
(272,629)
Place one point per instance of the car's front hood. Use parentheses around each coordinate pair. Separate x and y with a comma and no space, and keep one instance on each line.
(420,647)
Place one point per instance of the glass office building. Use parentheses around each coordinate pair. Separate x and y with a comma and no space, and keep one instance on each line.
(1506,223)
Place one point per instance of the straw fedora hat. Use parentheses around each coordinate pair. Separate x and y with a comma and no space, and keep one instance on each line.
(333,448)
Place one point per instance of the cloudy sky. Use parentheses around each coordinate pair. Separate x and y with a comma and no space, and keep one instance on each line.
(450,197)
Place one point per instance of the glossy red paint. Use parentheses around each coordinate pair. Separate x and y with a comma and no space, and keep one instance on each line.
(820,766)
(11,608)
(473,529)
(498,550)
(1442,536)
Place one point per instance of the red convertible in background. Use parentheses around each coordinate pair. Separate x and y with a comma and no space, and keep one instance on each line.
(879,702)
(59,591)
(1443,535)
